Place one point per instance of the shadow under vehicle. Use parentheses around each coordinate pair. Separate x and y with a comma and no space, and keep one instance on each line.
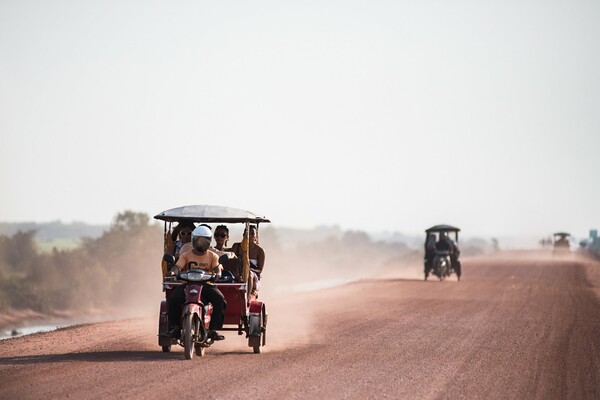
(244,313)
(441,252)
(561,243)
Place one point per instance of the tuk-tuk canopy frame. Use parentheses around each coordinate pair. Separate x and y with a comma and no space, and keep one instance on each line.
(562,234)
(443,228)
(206,213)
(209,214)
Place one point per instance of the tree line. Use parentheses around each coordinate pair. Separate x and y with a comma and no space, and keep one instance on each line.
(121,267)
(101,272)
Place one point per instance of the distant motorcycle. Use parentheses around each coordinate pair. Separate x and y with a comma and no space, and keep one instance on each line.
(442,265)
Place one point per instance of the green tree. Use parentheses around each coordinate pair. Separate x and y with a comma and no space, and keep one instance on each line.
(130,221)
(18,250)
(102,272)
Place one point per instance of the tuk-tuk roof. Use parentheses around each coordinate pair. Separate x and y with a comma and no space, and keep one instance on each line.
(210,214)
(562,234)
(442,228)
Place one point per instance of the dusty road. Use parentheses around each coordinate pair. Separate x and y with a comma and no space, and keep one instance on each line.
(516,327)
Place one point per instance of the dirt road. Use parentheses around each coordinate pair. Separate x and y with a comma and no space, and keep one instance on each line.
(515,327)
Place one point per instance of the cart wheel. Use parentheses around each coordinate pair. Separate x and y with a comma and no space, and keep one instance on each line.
(255,328)
(254,342)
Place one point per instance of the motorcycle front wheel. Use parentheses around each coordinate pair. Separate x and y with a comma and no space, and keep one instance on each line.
(188,337)
(199,349)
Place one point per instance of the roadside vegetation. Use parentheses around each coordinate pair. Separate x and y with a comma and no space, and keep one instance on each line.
(594,247)
(48,246)
(97,273)
(120,267)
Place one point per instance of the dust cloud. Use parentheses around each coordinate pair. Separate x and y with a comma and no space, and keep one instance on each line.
(292,269)
(119,275)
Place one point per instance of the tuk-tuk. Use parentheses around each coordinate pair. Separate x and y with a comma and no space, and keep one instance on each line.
(561,242)
(441,252)
(244,313)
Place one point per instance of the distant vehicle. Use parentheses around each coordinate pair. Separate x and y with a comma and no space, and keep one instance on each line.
(244,313)
(561,242)
(442,252)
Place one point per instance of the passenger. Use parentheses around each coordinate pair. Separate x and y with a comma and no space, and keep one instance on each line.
(256,254)
(429,253)
(181,236)
(199,258)
(454,255)
(221,238)
(233,265)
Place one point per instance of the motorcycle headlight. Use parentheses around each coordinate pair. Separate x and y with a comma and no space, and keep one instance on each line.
(195,276)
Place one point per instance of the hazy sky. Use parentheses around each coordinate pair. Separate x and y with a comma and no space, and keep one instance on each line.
(373,115)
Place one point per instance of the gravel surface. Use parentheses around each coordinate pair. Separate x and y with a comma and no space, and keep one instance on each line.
(518,326)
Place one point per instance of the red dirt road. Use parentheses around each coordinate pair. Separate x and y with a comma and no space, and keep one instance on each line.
(516,327)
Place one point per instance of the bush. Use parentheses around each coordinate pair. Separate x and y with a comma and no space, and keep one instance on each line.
(98,274)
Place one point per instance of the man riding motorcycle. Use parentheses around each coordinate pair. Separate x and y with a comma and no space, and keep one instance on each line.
(199,258)
(447,244)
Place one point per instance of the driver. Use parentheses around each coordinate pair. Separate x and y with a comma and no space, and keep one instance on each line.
(444,243)
(199,258)
(454,254)
(447,244)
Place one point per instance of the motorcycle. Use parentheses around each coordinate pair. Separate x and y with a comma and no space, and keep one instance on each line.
(195,316)
(442,265)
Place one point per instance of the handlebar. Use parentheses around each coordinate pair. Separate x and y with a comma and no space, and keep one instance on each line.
(196,275)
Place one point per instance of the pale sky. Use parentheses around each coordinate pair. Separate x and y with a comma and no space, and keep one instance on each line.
(372,115)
